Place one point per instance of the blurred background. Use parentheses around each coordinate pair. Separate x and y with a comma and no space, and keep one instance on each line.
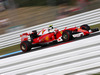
(19,14)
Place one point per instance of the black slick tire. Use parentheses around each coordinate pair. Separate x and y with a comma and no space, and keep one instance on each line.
(85,27)
(67,35)
(25,46)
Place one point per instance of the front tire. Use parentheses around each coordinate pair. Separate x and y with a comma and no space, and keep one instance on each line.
(67,35)
(85,27)
(25,46)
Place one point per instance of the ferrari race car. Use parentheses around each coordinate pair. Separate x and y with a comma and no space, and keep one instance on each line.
(34,39)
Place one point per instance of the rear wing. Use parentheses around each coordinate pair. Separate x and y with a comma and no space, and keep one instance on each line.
(25,34)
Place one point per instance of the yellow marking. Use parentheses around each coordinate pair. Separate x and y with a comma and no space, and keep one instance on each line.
(80,29)
(61,32)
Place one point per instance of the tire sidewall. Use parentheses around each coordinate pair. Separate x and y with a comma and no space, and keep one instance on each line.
(27,46)
(85,27)
(68,34)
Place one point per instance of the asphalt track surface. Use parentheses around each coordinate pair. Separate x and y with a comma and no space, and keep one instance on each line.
(51,45)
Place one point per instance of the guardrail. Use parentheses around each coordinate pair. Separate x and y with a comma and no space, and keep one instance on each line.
(90,17)
(71,58)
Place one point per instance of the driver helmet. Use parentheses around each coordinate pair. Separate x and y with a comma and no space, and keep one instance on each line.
(50,27)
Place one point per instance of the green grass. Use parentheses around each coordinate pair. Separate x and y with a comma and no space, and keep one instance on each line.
(96,26)
(17,47)
(9,49)
(96,74)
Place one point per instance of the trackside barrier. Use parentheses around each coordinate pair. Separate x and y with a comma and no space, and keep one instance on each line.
(71,58)
(90,17)
(94,71)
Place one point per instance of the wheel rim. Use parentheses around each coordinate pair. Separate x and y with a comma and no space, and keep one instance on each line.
(65,36)
(23,47)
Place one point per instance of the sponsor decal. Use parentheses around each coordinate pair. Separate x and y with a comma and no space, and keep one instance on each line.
(47,38)
(59,39)
(42,31)
(80,30)
(78,35)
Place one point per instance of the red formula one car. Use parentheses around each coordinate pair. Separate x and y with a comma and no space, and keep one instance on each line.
(29,40)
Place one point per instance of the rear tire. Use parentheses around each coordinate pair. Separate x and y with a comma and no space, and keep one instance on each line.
(25,46)
(85,27)
(67,35)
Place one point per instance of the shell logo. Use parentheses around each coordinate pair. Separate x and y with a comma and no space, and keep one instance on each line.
(47,38)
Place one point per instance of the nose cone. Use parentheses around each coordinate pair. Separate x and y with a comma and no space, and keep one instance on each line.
(86,32)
